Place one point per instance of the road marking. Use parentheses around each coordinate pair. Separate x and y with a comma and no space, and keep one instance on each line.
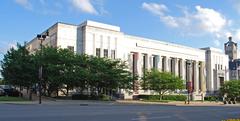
(145,118)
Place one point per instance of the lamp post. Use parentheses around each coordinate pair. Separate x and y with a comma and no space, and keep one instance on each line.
(41,37)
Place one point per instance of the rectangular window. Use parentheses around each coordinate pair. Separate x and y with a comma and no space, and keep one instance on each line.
(163,64)
(172,65)
(71,48)
(105,53)
(98,52)
(144,62)
(154,61)
(113,54)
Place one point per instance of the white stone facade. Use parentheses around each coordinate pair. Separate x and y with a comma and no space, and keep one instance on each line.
(217,69)
(104,40)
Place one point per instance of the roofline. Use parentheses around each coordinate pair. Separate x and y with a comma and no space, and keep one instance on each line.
(163,42)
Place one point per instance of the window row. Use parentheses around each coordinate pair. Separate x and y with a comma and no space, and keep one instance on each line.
(105,53)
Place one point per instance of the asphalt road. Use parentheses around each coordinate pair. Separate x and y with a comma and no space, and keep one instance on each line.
(76,112)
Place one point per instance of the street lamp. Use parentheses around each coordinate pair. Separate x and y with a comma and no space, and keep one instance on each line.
(41,37)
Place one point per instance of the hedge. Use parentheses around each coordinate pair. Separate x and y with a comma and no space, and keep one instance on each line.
(165,97)
(210,98)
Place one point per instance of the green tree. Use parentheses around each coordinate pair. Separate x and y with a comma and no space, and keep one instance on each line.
(231,89)
(63,69)
(81,71)
(106,75)
(18,68)
(161,82)
(50,60)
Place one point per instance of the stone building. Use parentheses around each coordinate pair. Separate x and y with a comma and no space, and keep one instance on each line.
(103,40)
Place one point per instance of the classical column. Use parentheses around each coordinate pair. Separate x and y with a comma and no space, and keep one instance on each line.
(141,61)
(101,46)
(136,69)
(138,63)
(196,76)
(157,57)
(183,69)
(159,62)
(94,44)
(130,61)
(166,64)
(202,77)
(150,62)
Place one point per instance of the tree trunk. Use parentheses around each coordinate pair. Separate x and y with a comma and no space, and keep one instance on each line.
(30,94)
(67,90)
(27,90)
(57,92)
(160,96)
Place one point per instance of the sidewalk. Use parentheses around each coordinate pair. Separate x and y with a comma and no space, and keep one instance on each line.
(177,103)
(119,102)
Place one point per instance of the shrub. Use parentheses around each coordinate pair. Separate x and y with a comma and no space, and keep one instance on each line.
(165,97)
(210,98)
(104,97)
(80,97)
(175,97)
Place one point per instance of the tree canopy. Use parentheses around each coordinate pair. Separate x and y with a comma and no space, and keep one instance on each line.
(161,82)
(18,67)
(231,89)
(63,69)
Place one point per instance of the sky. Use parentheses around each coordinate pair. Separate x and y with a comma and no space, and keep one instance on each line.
(195,23)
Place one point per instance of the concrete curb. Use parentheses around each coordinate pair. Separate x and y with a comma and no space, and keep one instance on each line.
(177,103)
(115,103)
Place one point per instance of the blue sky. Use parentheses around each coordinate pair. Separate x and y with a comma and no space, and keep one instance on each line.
(195,23)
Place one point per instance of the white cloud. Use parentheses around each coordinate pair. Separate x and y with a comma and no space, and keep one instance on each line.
(204,19)
(84,6)
(199,22)
(24,3)
(55,7)
(209,19)
(170,21)
(5,46)
(158,9)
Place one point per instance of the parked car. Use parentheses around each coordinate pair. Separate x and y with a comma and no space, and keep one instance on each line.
(2,92)
(10,91)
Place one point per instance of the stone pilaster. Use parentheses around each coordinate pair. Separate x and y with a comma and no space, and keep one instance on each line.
(183,69)
(196,77)
(203,80)
(176,66)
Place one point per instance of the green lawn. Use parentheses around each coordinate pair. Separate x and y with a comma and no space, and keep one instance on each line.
(5,98)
